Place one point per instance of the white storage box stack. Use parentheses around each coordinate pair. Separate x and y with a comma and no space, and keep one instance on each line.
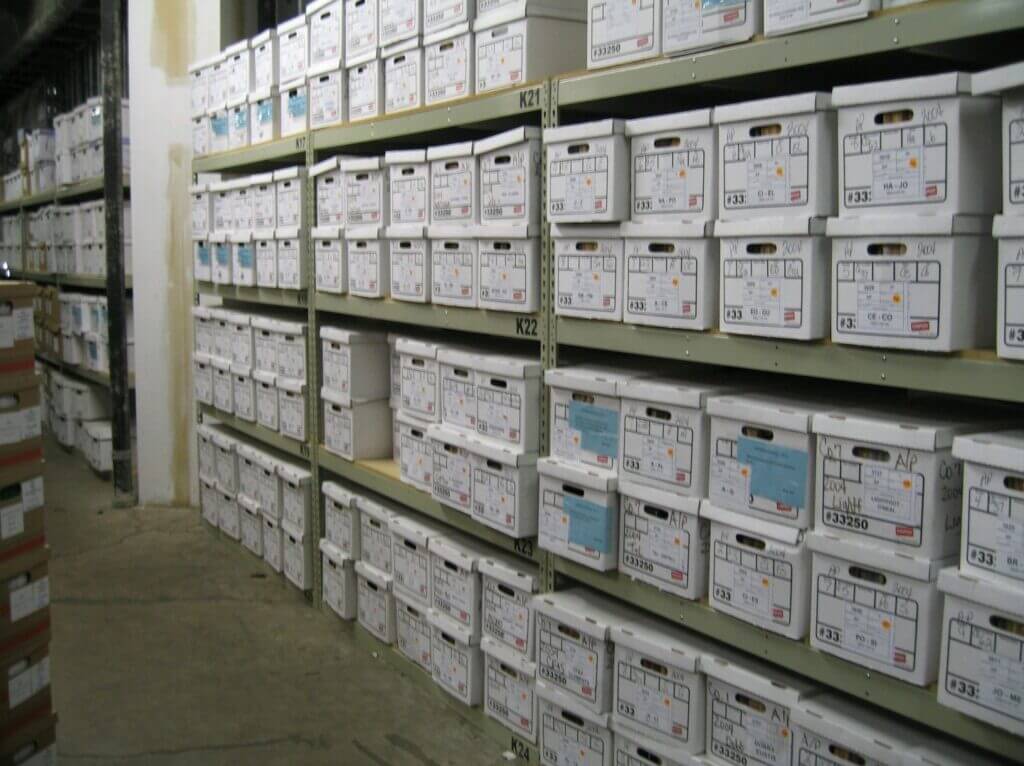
(342,524)
(619,31)
(448,63)
(403,72)
(825,724)
(409,213)
(326,75)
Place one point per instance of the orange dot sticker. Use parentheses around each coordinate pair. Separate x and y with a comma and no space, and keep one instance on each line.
(913,162)
(785,732)
(775,292)
(886,624)
(907,484)
(590,181)
(764,582)
(780,171)
(744,472)
(896,298)
(682,172)
(675,281)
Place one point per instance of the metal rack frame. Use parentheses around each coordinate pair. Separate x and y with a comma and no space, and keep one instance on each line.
(929,32)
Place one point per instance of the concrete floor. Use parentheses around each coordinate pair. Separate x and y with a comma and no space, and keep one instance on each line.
(172,646)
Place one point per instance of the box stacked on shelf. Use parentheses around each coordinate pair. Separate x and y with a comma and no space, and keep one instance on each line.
(10,242)
(78,417)
(83,328)
(78,137)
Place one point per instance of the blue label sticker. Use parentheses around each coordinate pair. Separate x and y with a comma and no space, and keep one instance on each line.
(598,427)
(245,256)
(591,526)
(265,111)
(223,254)
(203,252)
(241,119)
(297,105)
(219,125)
(776,473)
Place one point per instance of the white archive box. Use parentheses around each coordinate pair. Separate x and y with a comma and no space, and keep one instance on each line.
(267,413)
(504,488)
(784,16)
(290,338)
(294,98)
(876,608)
(660,690)
(219,133)
(273,546)
(671,275)
(266,257)
(457,664)
(412,632)
(522,48)
(453,184)
(411,558)
(993,504)
(250,462)
(250,526)
(325,19)
(749,706)
(202,210)
(510,169)
(355,363)
(510,689)
(912,282)
(492,12)
(291,407)
(828,724)
(96,442)
(982,640)
(270,495)
(209,501)
(409,262)
(395,372)
(242,206)
(759,571)
(222,205)
(777,157)
(622,30)
(589,265)
(508,391)
(774,275)
(508,615)
(688,27)
(368,275)
(575,654)
(585,409)
(415,452)
(202,378)
(662,540)
(366,88)
(330,264)
(238,123)
(632,749)
(357,429)
(920,145)
(223,385)
(674,167)
(330,192)
(290,185)
(292,49)
(453,467)
(296,496)
(399,20)
(1008,81)
(458,387)
(578,514)
(244,392)
(341,518)
(454,263)
(444,14)
(455,588)
(264,330)
(199,75)
(403,75)
(509,267)
(202,267)
(887,477)
(409,187)
(762,455)
(1009,233)
(448,57)
(339,580)
(366,191)
(376,602)
(264,201)
(588,172)
(361,31)
(375,544)
(228,515)
(326,89)
(264,116)
(264,60)
(420,377)
(569,731)
(243,259)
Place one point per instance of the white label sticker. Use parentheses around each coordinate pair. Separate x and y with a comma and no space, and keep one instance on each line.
(412,569)
(985,668)
(506,617)
(453,592)
(451,666)
(587,283)
(20,425)
(363,91)
(657,449)
(889,298)
(499,60)
(408,268)
(402,79)
(28,683)
(30,598)
(12,521)
(503,276)
(448,68)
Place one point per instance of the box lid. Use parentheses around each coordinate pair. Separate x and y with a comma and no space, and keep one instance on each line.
(334,553)
(508,366)
(771,227)
(982,590)
(280,326)
(582,609)
(578,474)
(352,337)
(201,188)
(791,413)
(293,23)
(413,530)
(592,379)
(446,34)
(695,118)
(450,151)
(374,575)
(375,509)
(296,84)
(240,237)
(291,385)
(680,230)
(1008,226)
(327,232)
(324,69)
(462,358)
(510,572)
(650,638)
(356,164)
(223,440)
(932,750)
(507,138)
(220,363)
(497,232)
(405,156)
(264,377)
(455,551)
(413,422)
(263,37)
(758,678)
(331,163)
(358,64)
(339,494)
(295,474)
(193,67)
(286,174)
(242,370)
(363,232)
(389,51)
(1003,449)
(998,80)
(870,555)
(318,5)
(449,628)
(908,88)
(247,451)
(781,533)
(586,230)
(262,94)
(768,108)
(501,453)
(406,231)
(555,696)
(98,430)
(269,520)
(247,504)
(452,231)
(660,497)
(417,347)
(682,393)
(895,427)
(446,434)
(908,225)
(646,750)
(241,101)
(595,129)
(200,358)
(504,654)
(866,732)
(264,236)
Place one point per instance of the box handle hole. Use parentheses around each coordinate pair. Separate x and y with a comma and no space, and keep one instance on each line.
(887,248)
(890,118)
(655,511)
(758,433)
(750,702)
(664,143)
(578,148)
(657,667)
(774,129)
(569,631)
(572,490)
(750,542)
(503,159)
(845,754)
(1016,483)
(762,248)
(870,453)
(867,574)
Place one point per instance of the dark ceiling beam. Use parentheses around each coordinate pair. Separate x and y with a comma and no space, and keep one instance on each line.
(21,35)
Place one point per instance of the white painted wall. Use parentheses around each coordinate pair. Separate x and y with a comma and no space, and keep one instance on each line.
(164,37)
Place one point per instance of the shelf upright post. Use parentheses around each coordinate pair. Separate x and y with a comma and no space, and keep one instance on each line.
(313,374)
(112,57)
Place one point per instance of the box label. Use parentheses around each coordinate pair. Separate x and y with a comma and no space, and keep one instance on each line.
(587,283)
(995,531)
(408,268)
(766,172)
(579,185)
(228,519)
(453,190)
(657,449)
(28,683)
(495,495)
(458,399)
(335,590)
(266,264)
(754,583)
(402,82)
(591,526)
(21,425)
(330,200)
(503,276)
(451,666)
(363,89)
(503,185)
(1015,161)
(408,197)
(1013,297)
(328,266)
(398,19)
(500,412)
(325,36)
(453,592)
(414,638)
(373,610)
(510,698)
(292,415)
(896,166)
(889,298)
(500,61)
(662,286)
(565,743)
(507,617)
(685,24)
(243,399)
(439,14)
(598,427)
(295,562)
(340,527)
(360,28)
(453,483)
(252,533)
(742,736)
(669,181)
(272,546)
(777,473)
(292,54)
(453,273)
(364,271)
(364,195)
(653,700)
(266,408)
(412,569)
(570,664)
(873,500)
(289,203)
(448,68)
(325,97)
(376,544)
(985,668)
(765,292)
(653,546)
(620,28)
(417,458)
(337,358)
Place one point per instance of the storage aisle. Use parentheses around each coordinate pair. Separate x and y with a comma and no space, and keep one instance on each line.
(171,647)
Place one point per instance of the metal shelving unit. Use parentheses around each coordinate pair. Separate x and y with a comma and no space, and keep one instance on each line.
(929,37)
(258,433)
(266,296)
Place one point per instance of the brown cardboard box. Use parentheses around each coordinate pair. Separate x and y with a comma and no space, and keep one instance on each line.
(31,733)
(16,339)
(25,583)
(21,427)
(26,666)
(21,512)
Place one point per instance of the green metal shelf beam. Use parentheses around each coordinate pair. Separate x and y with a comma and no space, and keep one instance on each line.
(258,433)
(81,373)
(915,702)
(972,373)
(68,280)
(267,296)
(280,152)
(498,323)
(381,476)
(85,189)
(35,276)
